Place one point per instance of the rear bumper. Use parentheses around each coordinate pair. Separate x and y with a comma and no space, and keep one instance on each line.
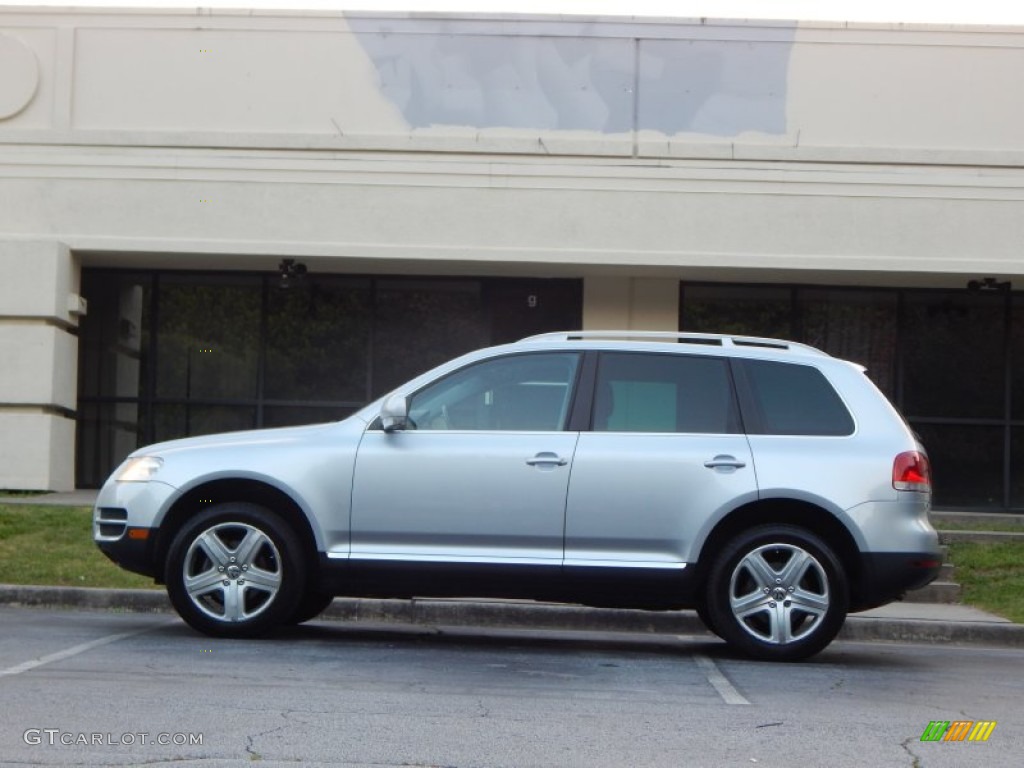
(887,576)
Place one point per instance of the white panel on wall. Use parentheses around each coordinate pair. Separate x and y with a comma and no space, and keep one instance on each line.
(27,78)
(226,80)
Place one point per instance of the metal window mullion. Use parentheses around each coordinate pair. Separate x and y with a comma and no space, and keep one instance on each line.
(1007,397)
(899,364)
(371,338)
(149,428)
(261,349)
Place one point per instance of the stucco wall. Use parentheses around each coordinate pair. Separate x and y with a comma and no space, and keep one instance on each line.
(629,153)
(656,88)
(709,149)
(39,308)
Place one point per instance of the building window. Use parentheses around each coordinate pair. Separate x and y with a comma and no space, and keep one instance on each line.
(164,355)
(951,361)
(954,355)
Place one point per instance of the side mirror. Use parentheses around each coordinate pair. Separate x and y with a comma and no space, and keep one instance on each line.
(394,413)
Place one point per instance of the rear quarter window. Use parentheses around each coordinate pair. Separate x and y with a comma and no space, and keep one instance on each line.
(792,399)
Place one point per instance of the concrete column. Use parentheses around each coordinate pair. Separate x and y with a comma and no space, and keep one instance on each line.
(630,303)
(39,309)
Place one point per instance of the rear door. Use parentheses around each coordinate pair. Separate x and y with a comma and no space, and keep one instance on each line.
(665,455)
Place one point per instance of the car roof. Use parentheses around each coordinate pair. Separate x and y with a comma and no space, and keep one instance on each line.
(705,341)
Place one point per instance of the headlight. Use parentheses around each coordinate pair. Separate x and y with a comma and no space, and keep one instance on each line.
(139,470)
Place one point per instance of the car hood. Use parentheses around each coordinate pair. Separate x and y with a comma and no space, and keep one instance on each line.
(254,437)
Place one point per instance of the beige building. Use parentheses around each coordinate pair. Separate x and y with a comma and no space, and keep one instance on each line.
(450,181)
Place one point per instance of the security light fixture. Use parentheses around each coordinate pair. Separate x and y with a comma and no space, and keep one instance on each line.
(988,284)
(291,272)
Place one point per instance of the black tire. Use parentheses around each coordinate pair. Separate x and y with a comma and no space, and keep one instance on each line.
(311,605)
(777,592)
(235,570)
(705,617)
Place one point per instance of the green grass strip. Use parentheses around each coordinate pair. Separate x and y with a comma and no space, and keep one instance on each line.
(53,546)
(992,575)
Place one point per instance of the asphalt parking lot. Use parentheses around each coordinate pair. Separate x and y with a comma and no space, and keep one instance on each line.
(105,688)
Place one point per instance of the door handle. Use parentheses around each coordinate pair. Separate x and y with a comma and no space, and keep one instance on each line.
(723,461)
(547,458)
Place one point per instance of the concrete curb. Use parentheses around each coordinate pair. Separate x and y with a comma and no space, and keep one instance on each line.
(514,615)
(950,520)
(528,615)
(945,537)
(89,598)
(979,633)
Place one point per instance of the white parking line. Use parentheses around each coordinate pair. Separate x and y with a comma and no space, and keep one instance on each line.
(719,681)
(74,650)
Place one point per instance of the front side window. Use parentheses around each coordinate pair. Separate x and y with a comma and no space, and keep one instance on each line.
(639,392)
(794,399)
(515,393)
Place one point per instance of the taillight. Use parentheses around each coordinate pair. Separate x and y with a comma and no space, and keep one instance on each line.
(911,472)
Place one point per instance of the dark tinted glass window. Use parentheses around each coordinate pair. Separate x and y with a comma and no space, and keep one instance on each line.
(1017,468)
(106,434)
(113,337)
(418,325)
(794,399)
(318,341)
(663,393)
(954,351)
(1017,357)
(114,344)
(967,470)
(854,325)
(520,392)
(174,421)
(291,415)
(743,310)
(207,337)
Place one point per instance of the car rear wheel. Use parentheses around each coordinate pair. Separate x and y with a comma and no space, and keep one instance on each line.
(777,592)
(234,570)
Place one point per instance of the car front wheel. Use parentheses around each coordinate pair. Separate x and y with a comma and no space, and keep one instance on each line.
(234,570)
(312,604)
(777,592)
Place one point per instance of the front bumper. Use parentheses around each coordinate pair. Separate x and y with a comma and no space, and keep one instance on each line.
(125,522)
(133,552)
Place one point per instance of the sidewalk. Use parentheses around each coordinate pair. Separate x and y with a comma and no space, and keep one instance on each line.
(78,498)
(897,622)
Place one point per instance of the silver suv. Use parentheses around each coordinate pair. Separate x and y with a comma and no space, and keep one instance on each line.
(763,483)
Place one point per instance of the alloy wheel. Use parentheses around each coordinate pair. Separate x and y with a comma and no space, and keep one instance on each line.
(232,571)
(779,593)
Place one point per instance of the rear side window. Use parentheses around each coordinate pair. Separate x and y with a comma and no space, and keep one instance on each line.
(791,399)
(639,392)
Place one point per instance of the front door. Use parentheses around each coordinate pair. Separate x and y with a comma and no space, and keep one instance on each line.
(480,474)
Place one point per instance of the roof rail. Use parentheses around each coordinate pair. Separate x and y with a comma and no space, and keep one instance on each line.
(706,339)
